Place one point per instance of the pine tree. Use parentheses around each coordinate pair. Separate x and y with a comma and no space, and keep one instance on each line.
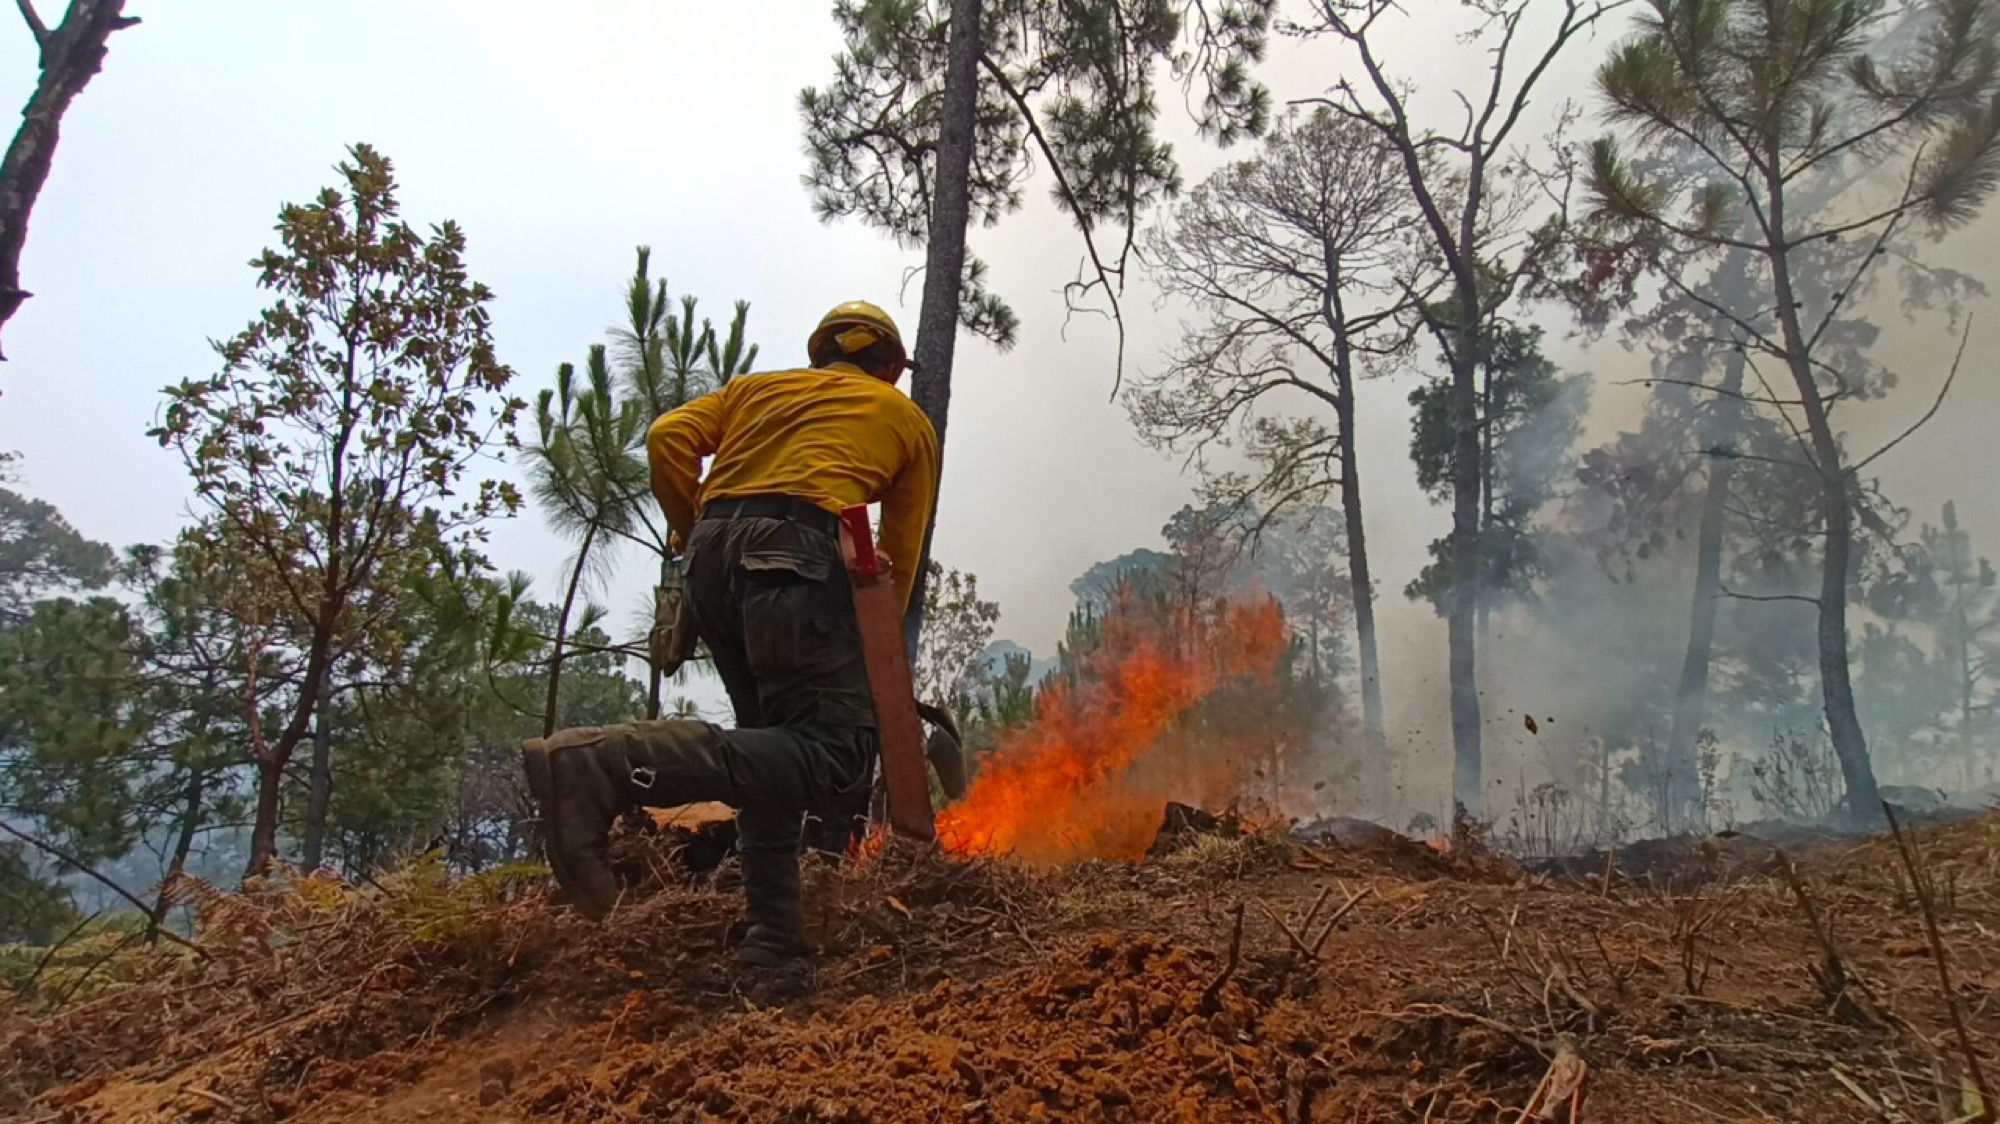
(938,109)
(1299,261)
(1768,98)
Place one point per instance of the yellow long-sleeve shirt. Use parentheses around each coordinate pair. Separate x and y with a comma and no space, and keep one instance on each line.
(836,437)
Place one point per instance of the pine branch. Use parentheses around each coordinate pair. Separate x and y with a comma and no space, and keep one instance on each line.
(1936,404)
(1728,592)
(1860,269)
(1075,207)
(1798,435)
(1702,386)
(1736,455)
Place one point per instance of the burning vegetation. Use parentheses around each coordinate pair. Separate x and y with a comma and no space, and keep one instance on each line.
(1171,701)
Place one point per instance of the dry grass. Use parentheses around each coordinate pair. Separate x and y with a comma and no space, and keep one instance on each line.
(1452,988)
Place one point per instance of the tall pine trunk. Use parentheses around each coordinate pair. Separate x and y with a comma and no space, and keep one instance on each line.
(1362,584)
(1691,701)
(1486,424)
(1850,743)
(1462,600)
(556,650)
(183,843)
(270,802)
(944,264)
(1363,587)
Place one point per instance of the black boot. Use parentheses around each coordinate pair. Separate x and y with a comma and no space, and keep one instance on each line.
(584,778)
(771,888)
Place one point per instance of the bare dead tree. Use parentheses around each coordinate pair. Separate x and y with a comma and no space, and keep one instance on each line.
(1474,197)
(72,52)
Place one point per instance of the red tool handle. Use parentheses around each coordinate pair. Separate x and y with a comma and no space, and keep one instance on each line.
(866,564)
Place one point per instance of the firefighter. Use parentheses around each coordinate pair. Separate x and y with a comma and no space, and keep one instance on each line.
(767,589)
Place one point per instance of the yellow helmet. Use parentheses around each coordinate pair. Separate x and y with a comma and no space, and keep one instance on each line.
(856,325)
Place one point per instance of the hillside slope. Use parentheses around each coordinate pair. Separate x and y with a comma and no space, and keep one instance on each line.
(1450,989)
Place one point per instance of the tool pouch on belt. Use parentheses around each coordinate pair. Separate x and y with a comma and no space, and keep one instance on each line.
(671,643)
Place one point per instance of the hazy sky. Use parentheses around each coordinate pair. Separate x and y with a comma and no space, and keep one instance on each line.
(561,137)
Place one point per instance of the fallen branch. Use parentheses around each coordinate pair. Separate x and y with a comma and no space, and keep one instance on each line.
(1562,1082)
(1547,1050)
(1324,893)
(211,1096)
(57,852)
(1860,1094)
(1920,885)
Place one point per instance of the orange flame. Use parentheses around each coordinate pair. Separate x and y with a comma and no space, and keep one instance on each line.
(1089,776)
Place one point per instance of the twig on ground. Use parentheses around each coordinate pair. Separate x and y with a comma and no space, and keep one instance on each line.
(1213,991)
(211,1096)
(1291,934)
(1760,1012)
(1920,885)
(1859,1093)
(1534,1104)
(1324,893)
(1619,979)
(1338,914)
(1559,977)
(1437,1010)
(1562,1082)
(1019,928)
(1311,949)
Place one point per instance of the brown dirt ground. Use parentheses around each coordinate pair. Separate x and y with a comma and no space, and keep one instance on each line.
(1451,990)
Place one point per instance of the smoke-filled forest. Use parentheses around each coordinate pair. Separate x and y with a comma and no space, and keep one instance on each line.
(1572,411)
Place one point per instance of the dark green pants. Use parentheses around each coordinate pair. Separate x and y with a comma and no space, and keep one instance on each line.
(770,596)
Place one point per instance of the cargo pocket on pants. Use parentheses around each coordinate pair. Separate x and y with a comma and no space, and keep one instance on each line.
(782,596)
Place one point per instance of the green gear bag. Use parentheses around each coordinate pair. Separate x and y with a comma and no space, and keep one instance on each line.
(672,640)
